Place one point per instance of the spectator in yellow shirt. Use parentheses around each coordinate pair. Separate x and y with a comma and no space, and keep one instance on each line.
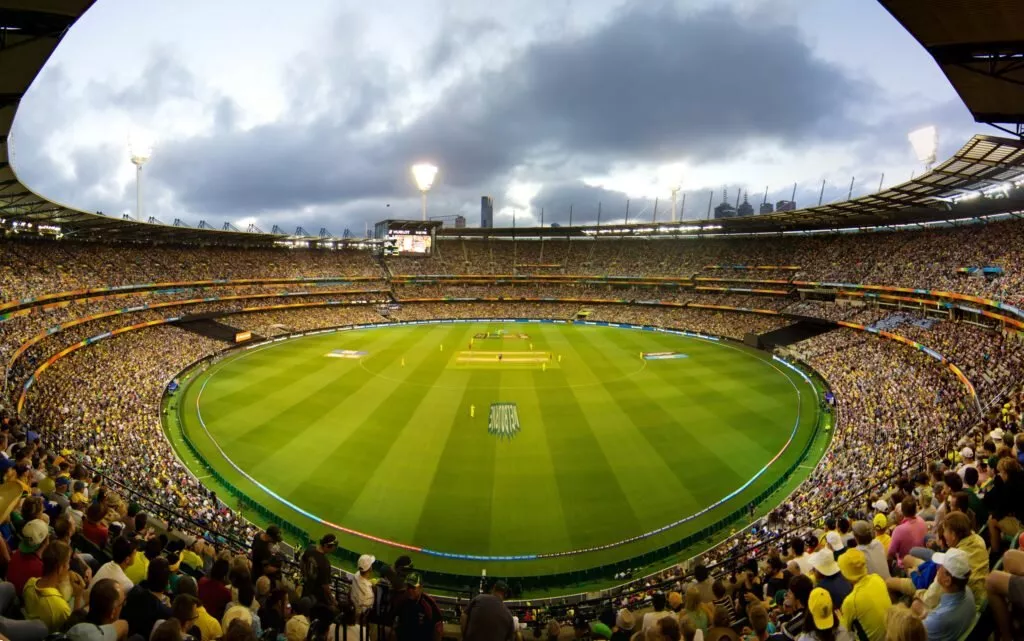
(42,596)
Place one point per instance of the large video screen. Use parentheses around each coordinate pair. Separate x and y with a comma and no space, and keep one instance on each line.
(398,243)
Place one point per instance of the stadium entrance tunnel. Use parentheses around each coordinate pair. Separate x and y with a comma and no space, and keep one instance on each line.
(613,459)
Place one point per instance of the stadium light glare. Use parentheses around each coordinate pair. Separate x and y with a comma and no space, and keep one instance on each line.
(925,142)
(424,174)
(140,150)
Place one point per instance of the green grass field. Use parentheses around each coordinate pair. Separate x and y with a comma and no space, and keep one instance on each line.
(399,443)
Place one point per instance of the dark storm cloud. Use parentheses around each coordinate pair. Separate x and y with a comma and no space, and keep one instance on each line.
(585,200)
(658,86)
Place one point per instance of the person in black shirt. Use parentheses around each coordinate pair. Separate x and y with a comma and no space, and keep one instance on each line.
(417,617)
(316,571)
(146,603)
(793,620)
(275,611)
(263,547)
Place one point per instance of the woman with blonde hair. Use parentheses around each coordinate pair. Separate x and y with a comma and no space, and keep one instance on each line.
(693,611)
(902,625)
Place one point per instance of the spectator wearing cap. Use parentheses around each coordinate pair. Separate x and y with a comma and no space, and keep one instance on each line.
(61,492)
(823,626)
(881,526)
(872,548)
(966,461)
(27,562)
(624,624)
(361,592)
(103,621)
(417,617)
(828,576)
(909,533)
(264,545)
(147,602)
(598,630)
(316,570)
(120,558)
(209,627)
(834,542)
(869,600)
(955,612)
(675,601)
(487,618)
(957,533)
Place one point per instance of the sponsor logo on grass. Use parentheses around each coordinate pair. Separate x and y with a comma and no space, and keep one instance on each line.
(503,421)
(663,356)
(346,353)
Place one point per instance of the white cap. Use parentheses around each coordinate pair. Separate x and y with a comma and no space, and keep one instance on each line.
(825,562)
(996,435)
(834,541)
(967,453)
(366,562)
(955,561)
(35,532)
(881,506)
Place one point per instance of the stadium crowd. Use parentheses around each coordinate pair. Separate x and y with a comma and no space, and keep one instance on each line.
(890,515)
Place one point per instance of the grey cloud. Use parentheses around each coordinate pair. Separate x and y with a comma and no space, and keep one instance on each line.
(163,78)
(647,85)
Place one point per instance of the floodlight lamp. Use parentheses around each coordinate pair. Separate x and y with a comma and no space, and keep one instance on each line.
(424,173)
(140,147)
(925,142)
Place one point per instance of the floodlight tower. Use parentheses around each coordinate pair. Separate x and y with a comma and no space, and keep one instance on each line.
(424,173)
(925,142)
(140,148)
(675,193)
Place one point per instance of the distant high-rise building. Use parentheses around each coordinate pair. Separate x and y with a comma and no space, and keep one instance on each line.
(767,208)
(487,212)
(745,208)
(460,222)
(725,209)
(785,205)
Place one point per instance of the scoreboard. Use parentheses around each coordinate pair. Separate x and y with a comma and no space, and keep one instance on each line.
(406,237)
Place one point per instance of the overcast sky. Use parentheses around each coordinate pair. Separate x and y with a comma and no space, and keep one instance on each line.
(310,112)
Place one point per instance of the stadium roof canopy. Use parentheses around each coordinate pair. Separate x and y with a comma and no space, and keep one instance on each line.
(964,35)
(979,45)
